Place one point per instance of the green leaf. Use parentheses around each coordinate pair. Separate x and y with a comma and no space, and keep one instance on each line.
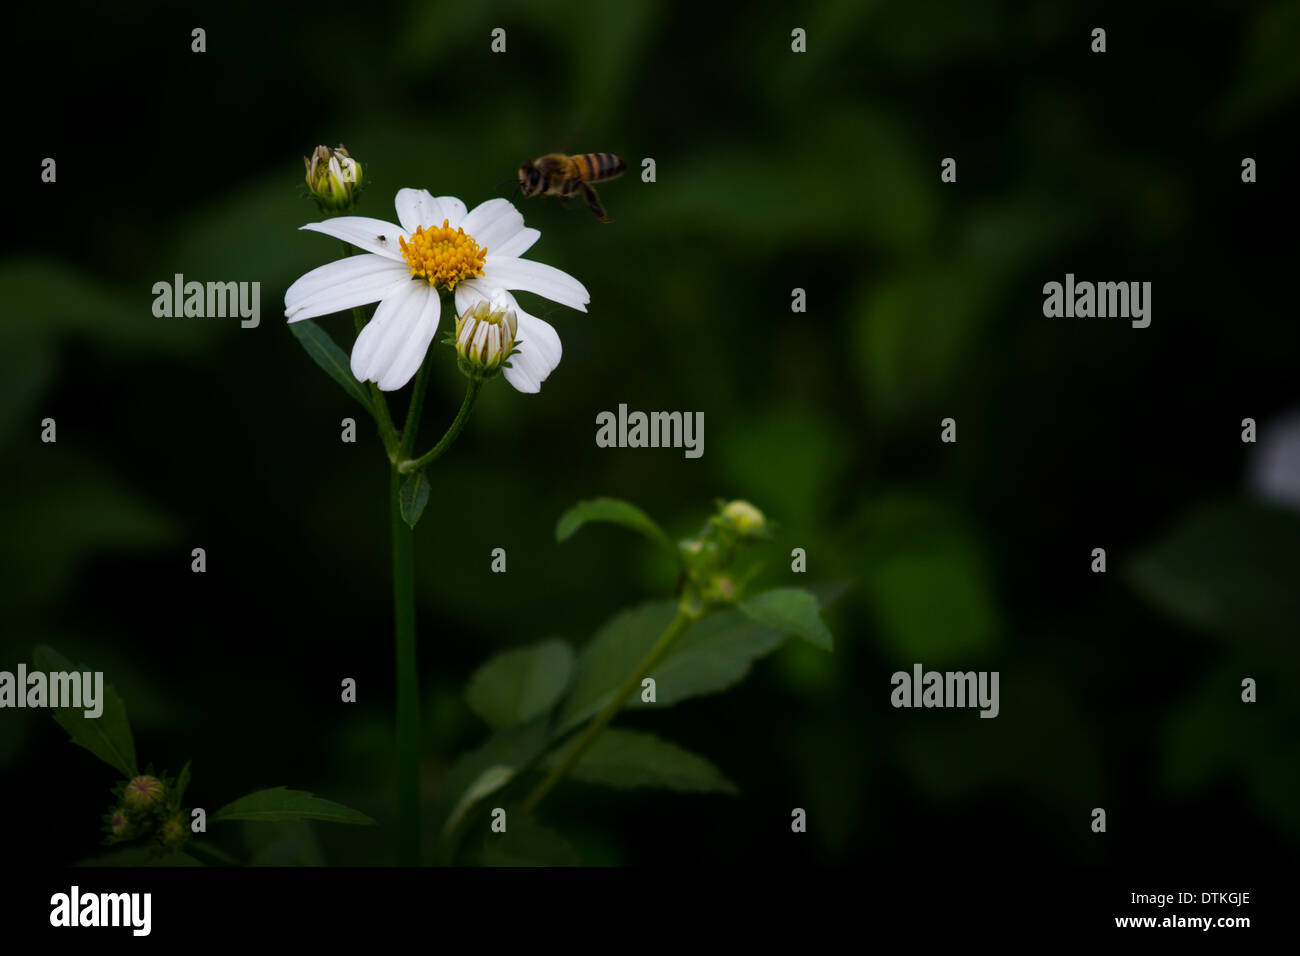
(628,758)
(613,653)
(488,782)
(107,736)
(714,654)
(1232,569)
(414,496)
(828,592)
(269,806)
(485,770)
(330,357)
(613,511)
(518,685)
(793,610)
(182,784)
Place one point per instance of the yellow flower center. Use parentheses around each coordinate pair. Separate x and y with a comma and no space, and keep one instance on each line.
(443,256)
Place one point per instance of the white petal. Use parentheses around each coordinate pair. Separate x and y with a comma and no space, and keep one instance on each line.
(412,353)
(343,284)
(530,276)
(470,292)
(417,207)
(383,348)
(494,223)
(523,241)
(453,210)
(372,235)
(333,273)
(539,353)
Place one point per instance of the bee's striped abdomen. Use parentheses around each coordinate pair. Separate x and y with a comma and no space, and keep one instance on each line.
(598,166)
(611,165)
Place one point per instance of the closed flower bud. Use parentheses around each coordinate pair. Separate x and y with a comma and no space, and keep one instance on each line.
(722,590)
(744,518)
(485,338)
(172,833)
(334,179)
(118,825)
(143,794)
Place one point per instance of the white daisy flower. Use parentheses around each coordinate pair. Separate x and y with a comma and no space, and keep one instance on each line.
(438,246)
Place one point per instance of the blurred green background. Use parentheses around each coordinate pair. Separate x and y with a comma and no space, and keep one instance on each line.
(774,171)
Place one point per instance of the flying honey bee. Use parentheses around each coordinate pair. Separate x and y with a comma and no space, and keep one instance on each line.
(556,174)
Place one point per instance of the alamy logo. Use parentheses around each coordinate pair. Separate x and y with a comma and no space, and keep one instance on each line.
(102,909)
(74,689)
(215,300)
(1084,300)
(655,430)
(949,689)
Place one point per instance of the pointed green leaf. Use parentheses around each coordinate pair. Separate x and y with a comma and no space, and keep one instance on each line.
(107,736)
(414,496)
(485,770)
(714,654)
(182,784)
(330,357)
(518,685)
(268,806)
(619,645)
(489,781)
(792,610)
(614,511)
(628,758)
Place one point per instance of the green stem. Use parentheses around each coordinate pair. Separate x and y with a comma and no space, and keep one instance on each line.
(684,619)
(408,688)
(409,465)
(413,411)
(387,430)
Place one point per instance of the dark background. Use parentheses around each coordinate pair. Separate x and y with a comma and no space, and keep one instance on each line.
(775,170)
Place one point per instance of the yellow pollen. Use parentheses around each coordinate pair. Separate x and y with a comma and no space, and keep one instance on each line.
(443,256)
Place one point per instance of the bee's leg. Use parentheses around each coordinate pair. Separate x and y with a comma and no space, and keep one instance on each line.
(593,201)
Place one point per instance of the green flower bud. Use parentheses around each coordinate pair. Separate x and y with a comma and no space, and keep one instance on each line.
(744,518)
(118,824)
(143,794)
(485,338)
(173,832)
(721,590)
(334,179)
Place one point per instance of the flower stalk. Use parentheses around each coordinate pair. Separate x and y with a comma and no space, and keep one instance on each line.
(435,243)
(415,464)
(408,686)
(688,612)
